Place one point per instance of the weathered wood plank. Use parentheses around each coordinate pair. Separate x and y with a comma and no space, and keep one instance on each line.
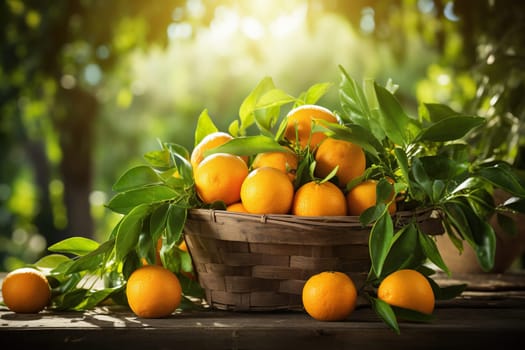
(103,328)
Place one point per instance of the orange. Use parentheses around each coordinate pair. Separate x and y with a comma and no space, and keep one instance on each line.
(237,207)
(219,178)
(210,141)
(349,157)
(363,196)
(183,246)
(329,296)
(299,125)
(26,290)
(267,190)
(319,199)
(153,292)
(285,161)
(408,289)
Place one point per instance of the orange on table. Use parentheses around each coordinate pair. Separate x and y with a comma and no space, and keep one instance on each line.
(26,290)
(329,296)
(363,196)
(348,156)
(299,125)
(267,190)
(153,292)
(285,161)
(319,199)
(408,289)
(219,178)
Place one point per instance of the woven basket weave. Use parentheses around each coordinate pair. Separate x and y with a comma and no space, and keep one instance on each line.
(250,262)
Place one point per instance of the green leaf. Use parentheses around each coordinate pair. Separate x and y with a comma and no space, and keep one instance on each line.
(191,287)
(411,315)
(205,126)
(74,245)
(446,293)
(180,150)
(449,129)
(431,251)
(248,107)
(130,229)
(438,190)
(386,313)
(70,299)
(442,166)
(502,175)
(137,177)
(507,223)
(352,133)
(516,204)
(158,159)
(402,161)
(384,191)
(130,263)
(314,93)
(125,201)
(372,214)
(455,216)
(186,263)
(266,119)
(405,251)
(484,242)
(175,223)
(247,145)
(180,159)
(380,240)
(354,102)
(394,121)
(451,292)
(478,233)
(157,221)
(435,112)
(51,261)
(93,298)
(92,261)
(421,177)
(234,128)
(147,248)
(273,98)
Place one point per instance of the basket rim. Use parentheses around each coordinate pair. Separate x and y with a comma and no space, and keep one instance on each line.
(400,218)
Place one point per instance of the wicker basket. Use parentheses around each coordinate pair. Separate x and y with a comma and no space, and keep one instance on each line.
(250,262)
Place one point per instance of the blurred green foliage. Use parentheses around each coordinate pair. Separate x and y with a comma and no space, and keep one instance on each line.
(88,86)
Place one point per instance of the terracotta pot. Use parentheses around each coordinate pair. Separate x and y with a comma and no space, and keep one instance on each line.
(508,248)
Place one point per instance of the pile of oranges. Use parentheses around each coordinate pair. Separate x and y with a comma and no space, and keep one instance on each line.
(266,184)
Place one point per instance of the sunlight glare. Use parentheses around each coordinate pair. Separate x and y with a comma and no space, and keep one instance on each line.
(286,24)
(225,23)
(252,28)
(443,79)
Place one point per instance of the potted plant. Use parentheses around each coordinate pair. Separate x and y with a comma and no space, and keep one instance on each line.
(421,162)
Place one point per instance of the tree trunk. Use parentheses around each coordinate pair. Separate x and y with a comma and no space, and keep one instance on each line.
(76,142)
(44,218)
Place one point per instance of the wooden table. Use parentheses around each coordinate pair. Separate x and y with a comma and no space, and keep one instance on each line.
(489,314)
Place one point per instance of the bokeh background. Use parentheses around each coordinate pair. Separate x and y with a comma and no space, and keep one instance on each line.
(88,86)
